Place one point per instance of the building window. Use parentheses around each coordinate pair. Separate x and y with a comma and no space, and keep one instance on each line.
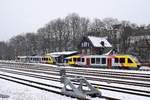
(92,60)
(102,43)
(83,51)
(103,60)
(88,44)
(85,44)
(88,51)
(82,44)
(97,60)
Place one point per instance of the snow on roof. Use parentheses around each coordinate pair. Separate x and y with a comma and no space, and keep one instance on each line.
(57,54)
(108,53)
(97,41)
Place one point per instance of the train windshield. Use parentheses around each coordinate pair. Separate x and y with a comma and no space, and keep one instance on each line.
(66,60)
(134,58)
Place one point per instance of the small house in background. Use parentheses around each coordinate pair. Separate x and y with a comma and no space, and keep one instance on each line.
(94,45)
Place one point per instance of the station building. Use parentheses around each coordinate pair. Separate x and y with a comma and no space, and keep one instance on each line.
(92,45)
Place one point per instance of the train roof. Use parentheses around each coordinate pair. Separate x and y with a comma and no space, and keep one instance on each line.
(64,52)
(22,56)
(29,56)
(119,55)
(73,56)
(57,54)
(93,56)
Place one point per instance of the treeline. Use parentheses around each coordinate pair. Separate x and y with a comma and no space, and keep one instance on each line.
(65,34)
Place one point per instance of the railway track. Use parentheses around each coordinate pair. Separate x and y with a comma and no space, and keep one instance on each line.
(89,70)
(41,85)
(54,71)
(116,74)
(102,76)
(112,88)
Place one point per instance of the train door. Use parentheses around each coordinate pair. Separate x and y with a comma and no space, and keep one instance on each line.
(109,63)
(87,61)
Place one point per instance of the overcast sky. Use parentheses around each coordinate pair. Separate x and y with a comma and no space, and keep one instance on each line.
(21,16)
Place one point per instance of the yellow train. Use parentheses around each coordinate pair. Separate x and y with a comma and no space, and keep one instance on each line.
(48,60)
(126,62)
(105,61)
(72,60)
(37,59)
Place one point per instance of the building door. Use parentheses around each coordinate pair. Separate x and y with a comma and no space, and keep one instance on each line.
(87,61)
(109,63)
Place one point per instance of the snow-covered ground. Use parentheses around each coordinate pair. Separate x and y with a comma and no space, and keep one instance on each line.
(17,91)
(21,92)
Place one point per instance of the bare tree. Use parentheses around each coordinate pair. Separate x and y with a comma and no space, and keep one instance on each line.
(19,45)
(74,28)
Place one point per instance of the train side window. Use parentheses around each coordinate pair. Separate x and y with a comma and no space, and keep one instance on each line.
(97,60)
(70,59)
(82,59)
(116,60)
(129,60)
(103,60)
(92,60)
(78,59)
(43,59)
(122,60)
(66,61)
(74,59)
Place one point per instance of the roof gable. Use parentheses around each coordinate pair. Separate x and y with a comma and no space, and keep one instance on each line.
(99,41)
